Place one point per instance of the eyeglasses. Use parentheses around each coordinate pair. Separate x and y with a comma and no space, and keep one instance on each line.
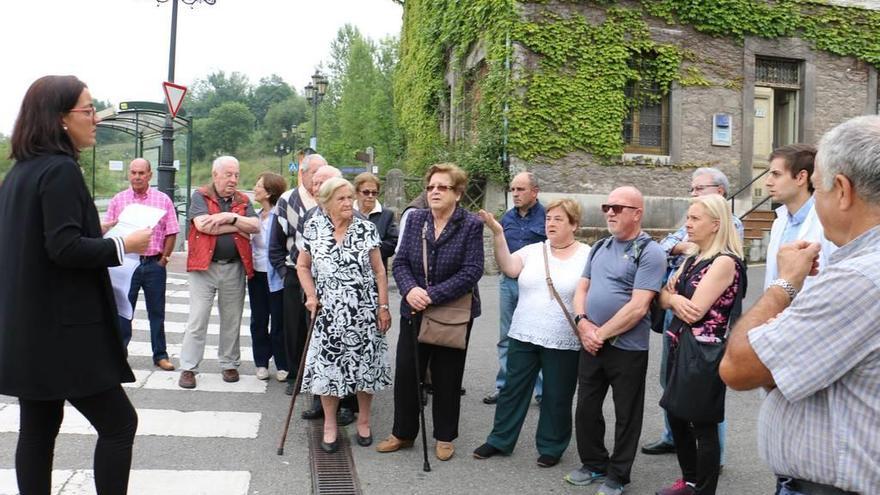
(89,111)
(617,208)
(369,192)
(699,189)
(439,187)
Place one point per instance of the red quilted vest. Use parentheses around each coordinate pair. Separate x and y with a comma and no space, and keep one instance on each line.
(201,245)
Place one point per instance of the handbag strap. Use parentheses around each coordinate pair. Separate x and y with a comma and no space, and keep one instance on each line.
(425,250)
(552,289)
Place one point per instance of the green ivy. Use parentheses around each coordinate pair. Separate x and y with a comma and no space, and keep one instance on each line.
(576,98)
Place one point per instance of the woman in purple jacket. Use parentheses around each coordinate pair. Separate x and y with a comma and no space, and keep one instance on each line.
(455,264)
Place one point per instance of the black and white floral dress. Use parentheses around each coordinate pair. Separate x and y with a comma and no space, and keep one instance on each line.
(346,353)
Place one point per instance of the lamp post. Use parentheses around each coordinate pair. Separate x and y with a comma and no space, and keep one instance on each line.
(315,92)
(166,156)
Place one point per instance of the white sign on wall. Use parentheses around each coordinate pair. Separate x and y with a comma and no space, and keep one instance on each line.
(116,165)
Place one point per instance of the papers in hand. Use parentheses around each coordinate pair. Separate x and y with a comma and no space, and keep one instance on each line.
(134,217)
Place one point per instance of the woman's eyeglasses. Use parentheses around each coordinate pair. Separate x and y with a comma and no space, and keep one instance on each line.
(369,192)
(439,187)
(617,208)
(89,111)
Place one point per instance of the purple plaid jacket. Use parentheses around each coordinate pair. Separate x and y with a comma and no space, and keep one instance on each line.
(455,259)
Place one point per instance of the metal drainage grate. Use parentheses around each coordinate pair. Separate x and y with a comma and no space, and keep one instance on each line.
(332,474)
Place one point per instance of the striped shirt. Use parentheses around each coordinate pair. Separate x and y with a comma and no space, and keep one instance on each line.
(167,225)
(822,422)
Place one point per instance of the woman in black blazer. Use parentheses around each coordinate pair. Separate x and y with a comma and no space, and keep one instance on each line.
(58,335)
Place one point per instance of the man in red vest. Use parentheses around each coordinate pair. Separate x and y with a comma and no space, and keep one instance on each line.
(218,261)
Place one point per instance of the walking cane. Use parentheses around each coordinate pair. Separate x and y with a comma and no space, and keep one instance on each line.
(427,466)
(299,379)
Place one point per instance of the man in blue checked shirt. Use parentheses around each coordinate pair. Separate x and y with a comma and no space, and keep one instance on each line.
(817,351)
(523,225)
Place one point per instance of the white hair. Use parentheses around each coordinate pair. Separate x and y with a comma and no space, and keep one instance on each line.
(718,177)
(852,149)
(220,161)
(308,160)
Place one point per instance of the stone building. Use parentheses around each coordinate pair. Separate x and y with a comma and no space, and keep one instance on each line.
(748,95)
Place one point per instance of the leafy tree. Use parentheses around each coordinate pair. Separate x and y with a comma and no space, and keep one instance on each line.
(282,116)
(216,89)
(270,91)
(227,127)
(5,161)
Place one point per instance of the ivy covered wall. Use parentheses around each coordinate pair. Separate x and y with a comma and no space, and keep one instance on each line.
(564,94)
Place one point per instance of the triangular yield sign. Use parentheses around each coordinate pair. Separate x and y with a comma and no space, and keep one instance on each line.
(173,96)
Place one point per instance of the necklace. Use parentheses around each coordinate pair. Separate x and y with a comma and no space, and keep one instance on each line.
(563,247)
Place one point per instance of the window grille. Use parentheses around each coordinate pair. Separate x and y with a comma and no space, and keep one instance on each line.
(777,73)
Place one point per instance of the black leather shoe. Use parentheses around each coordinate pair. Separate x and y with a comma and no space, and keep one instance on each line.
(344,417)
(485,451)
(330,447)
(547,461)
(657,448)
(491,398)
(316,412)
(364,441)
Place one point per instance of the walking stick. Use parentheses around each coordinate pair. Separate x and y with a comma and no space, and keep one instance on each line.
(427,466)
(299,379)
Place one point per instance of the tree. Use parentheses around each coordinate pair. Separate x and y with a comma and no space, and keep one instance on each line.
(281,117)
(216,89)
(227,127)
(270,91)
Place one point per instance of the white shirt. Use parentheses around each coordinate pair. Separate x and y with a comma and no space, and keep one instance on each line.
(538,319)
(810,230)
(260,244)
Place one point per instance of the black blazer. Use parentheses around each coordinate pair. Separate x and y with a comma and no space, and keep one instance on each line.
(387,227)
(58,321)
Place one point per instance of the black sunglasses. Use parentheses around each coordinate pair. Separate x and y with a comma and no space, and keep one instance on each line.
(617,208)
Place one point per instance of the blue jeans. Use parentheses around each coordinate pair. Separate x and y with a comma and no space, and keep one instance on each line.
(150,276)
(267,341)
(667,431)
(509,295)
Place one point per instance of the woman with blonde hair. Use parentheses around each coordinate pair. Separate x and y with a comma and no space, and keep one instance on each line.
(542,336)
(703,294)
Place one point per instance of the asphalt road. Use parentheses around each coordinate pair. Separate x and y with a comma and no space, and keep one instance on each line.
(187,463)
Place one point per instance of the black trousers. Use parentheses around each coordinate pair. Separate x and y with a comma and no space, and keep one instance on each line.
(624,371)
(447,370)
(698,451)
(294,319)
(112,416)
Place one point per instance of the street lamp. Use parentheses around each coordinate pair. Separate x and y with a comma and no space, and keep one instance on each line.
(315,92)
(166,157)
(288,144)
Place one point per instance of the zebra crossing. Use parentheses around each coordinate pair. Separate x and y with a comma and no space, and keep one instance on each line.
(216,415)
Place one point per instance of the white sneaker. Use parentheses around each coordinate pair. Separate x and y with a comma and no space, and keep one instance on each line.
(281,375)
(262,373)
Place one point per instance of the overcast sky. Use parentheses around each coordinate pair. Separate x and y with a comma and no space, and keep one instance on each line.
(120,48)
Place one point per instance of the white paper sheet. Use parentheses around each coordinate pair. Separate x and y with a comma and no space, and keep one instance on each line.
(133,217)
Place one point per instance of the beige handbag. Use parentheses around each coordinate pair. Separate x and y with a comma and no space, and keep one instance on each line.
(444,324)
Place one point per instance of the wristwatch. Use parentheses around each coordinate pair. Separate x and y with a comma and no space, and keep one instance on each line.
(579,317)
(234,219)
(383,306)
(786,286)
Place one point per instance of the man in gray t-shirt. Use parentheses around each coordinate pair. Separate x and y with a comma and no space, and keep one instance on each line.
(622,277)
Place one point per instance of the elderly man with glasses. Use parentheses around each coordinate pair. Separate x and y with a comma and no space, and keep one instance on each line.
(611,303)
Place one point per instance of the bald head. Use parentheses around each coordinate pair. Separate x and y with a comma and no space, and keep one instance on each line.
(524,191)
(321,175)
(139,175)
(623,212)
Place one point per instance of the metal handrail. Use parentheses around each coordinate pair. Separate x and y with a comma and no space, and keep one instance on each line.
(745,187)
(755,207)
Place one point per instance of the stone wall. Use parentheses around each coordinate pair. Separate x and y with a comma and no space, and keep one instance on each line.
(833,90)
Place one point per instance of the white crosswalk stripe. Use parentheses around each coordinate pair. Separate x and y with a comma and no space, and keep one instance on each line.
(180,327)
(143,482)
(206,382)
(145,349)
(157,422)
